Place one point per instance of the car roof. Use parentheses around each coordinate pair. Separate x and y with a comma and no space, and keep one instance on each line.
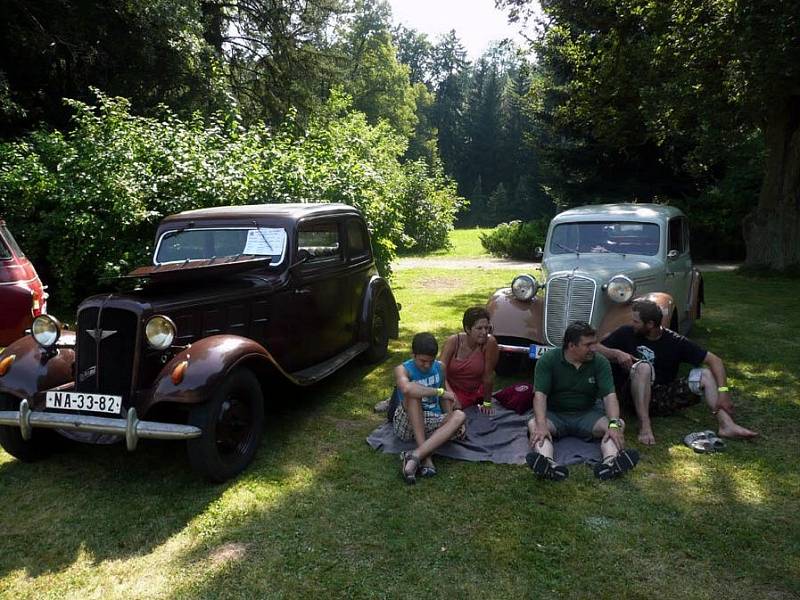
(627,211)
(295,210)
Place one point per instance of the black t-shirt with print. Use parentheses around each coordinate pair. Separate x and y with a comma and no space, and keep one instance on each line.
(665,354)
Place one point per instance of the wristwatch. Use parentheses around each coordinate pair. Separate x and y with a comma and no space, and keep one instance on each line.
(614,424)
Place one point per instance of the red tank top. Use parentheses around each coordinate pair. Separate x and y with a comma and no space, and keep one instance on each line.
(465,375)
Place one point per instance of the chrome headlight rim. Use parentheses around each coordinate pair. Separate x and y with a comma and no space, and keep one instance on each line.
(621,288)
(46,330)
(160,325)
(524,287)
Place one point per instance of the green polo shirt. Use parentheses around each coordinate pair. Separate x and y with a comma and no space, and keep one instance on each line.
(569,389)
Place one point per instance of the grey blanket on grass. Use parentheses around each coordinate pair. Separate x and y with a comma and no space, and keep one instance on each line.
(499,438)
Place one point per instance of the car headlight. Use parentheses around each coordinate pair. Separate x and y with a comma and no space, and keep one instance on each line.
(46,330)
(524,287)
(160,332)
(620,288)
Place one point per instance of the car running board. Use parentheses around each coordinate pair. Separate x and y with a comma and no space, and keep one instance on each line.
(322,370)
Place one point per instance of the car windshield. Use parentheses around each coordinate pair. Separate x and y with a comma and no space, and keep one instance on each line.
(7,244)
(202,244)
(621,237)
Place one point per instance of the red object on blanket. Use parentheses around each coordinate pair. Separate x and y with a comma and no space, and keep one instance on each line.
(517,397)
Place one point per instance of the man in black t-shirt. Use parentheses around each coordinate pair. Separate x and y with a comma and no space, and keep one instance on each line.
(645,360)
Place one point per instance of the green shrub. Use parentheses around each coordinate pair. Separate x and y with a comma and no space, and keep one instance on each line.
(516,239)
(85,203)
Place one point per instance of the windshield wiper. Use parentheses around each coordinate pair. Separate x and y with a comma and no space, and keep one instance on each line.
(263,237)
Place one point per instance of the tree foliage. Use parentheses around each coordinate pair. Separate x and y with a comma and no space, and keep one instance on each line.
(85,203)
(661,97)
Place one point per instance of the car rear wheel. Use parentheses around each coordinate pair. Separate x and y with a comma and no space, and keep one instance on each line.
(42,443)
(378,333)
(232,421)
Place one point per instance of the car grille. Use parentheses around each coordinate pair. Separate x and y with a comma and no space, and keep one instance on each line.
(569,299)
(114,372)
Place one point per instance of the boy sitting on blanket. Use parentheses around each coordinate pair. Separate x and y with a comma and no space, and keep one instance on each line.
(425,409)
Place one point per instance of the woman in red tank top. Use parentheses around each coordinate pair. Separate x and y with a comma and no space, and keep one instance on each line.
(470,358)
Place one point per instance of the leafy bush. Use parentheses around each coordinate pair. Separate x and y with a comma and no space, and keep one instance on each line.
(516,239)
(85,204)
(429,203)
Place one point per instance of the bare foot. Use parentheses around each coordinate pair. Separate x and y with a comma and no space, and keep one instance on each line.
(733,430)
(646,437)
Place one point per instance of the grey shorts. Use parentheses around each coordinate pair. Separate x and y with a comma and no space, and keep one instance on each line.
(579,424)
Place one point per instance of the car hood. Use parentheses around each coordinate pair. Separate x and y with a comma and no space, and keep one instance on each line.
(601,268)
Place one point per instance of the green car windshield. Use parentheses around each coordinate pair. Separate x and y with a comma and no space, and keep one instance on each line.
(599,237)
(203,244)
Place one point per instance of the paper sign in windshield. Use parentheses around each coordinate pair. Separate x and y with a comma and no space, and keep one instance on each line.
(265,241)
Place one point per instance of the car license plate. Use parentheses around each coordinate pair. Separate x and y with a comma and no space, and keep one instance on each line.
(536,350)
(99,403)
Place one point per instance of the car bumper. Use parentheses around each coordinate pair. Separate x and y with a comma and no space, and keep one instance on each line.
(533,351)
(131,428)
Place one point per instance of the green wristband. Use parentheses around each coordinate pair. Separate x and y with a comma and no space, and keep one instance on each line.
(723,388)
(487,405)
(440,392)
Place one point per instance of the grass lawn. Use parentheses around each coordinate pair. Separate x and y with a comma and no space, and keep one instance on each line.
(320,514)
(465,243)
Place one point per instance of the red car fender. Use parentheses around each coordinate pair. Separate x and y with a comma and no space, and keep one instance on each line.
(209,361)
(516,318)
(35,369)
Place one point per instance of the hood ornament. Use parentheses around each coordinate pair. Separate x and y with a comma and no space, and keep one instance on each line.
(100,334)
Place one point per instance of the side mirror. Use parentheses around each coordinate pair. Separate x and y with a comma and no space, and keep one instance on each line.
(538,253)
(672,254)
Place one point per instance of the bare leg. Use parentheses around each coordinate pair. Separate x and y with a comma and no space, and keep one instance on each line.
(426,447)
(641,378)
(727,426)
(545,447)
(607,448)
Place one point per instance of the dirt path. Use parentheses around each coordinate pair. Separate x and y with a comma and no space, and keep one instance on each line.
(491,262)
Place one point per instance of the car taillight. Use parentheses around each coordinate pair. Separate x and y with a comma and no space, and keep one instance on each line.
(37,303)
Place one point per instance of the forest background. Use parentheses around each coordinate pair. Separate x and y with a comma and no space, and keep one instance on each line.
(115,113)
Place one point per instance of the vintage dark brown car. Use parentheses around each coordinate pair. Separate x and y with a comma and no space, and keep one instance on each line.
(236,297)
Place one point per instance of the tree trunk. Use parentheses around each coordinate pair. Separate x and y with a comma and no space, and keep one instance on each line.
(772,230)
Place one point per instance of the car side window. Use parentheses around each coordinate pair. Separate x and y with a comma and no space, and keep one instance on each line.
(321,241)
(357,243)
(676,238)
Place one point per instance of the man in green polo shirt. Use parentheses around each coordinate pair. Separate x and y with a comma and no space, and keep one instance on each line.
(568,381)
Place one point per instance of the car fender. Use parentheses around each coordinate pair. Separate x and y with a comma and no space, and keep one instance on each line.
(209,361)
(512,318)
(35,369)
(376,288)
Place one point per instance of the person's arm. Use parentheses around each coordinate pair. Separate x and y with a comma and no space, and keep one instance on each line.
(447,354)
(540,430)
(717,368)
(448,400)
(615,434)
(620,357)
(490,362)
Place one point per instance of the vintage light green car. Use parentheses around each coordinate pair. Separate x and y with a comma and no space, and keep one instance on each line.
(596,261)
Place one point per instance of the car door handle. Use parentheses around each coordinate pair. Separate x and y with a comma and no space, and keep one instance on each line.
(302,291)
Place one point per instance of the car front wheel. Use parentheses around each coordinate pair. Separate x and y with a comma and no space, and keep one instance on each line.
(232,421)
(42,443)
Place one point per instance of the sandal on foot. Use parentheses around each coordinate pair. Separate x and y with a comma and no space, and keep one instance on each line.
(615,467)
(546,468)
(405,458)
(425,471)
